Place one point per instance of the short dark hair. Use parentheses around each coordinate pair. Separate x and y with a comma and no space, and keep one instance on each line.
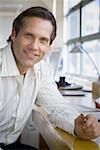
(35,12)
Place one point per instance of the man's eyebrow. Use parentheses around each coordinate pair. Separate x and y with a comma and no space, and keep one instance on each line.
(45,38)
(29,33)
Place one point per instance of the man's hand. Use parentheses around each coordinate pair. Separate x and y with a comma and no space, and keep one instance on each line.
(89,129)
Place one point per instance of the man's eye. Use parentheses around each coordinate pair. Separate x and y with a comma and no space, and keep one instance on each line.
(43,41)
(28,36)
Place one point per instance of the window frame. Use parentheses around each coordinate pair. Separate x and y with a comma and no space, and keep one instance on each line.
(81,39)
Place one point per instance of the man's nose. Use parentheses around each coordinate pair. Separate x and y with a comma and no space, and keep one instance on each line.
(35,44)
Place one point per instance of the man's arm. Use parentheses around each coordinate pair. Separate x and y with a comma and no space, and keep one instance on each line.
(61,114)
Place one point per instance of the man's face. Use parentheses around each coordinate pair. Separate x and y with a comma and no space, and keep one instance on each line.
(32,42)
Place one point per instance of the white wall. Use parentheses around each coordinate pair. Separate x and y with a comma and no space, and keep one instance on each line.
(5,28)
(59,17)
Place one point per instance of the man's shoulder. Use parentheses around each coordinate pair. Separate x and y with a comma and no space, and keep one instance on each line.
(1,53)
(4,47)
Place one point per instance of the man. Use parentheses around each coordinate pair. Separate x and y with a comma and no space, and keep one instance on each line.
(25,76)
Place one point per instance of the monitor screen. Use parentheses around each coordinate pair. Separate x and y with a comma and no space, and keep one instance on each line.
(54,59)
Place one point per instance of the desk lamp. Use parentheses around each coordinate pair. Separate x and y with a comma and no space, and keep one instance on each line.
(95,84)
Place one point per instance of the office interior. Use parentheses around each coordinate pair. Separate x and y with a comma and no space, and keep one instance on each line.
(78,24)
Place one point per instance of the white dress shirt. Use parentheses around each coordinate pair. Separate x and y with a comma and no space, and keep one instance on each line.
(18,95)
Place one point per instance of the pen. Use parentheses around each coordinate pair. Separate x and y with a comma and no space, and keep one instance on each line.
(84,118)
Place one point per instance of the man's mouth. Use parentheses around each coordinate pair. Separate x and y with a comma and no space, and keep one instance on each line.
(31,54)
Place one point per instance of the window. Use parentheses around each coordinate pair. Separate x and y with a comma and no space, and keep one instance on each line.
(93,48)
(90,18)
(72,3)
(74,62)
(73,25)
(83,26)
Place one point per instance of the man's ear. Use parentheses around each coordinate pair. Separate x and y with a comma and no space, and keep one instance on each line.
(13,35)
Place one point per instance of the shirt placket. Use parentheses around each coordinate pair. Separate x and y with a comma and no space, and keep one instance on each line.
(11,128)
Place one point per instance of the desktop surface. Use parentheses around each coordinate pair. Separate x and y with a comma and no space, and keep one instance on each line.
(77,143)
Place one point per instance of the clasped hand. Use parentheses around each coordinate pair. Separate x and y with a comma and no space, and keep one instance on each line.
(89,129)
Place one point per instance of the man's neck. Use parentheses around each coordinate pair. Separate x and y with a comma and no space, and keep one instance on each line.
(21,69)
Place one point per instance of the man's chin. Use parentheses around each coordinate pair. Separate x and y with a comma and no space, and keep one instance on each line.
(30,64)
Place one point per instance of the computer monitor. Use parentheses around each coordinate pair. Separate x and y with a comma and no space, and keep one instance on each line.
(54,59)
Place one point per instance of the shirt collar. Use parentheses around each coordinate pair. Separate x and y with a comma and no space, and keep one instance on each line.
(9,67)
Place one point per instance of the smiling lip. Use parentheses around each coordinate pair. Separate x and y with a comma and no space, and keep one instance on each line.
(31,54)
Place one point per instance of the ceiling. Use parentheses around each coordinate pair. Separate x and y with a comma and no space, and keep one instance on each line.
(20,5)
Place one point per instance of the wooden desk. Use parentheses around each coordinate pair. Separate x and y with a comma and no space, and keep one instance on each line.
(52,138)
(57,139)
(85,100)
